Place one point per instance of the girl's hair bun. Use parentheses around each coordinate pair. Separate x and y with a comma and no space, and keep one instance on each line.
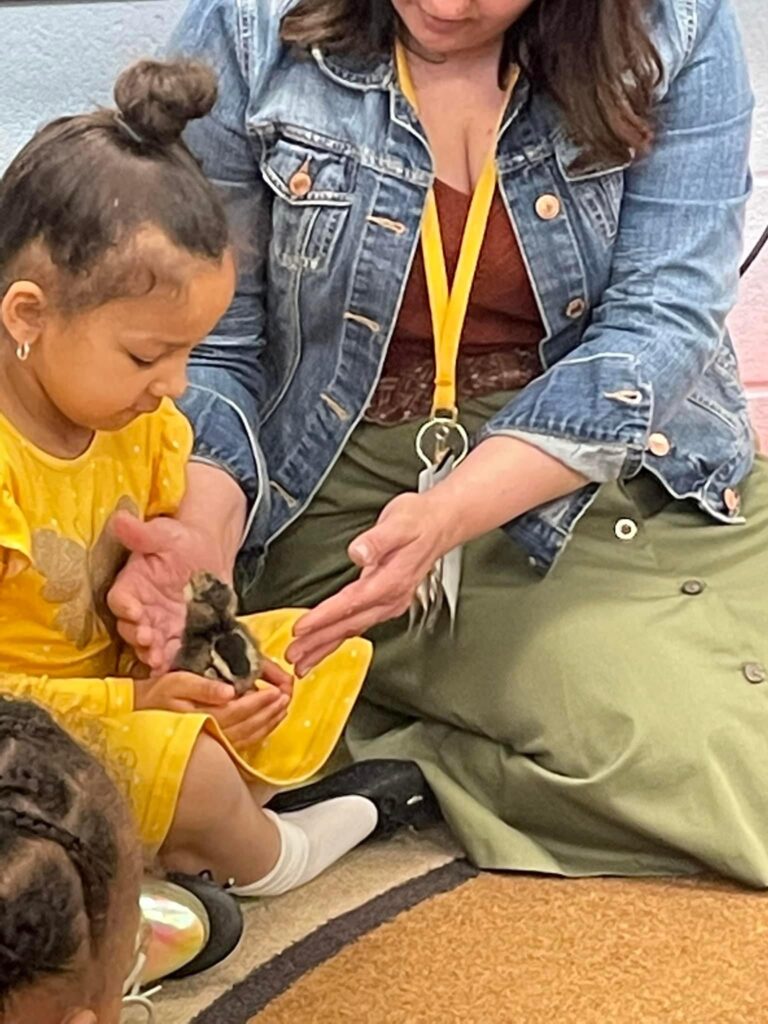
(157,99)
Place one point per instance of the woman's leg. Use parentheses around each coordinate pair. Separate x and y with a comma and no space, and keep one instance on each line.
(610,718)
(221,826)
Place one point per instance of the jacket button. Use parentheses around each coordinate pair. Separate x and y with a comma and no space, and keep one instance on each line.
(547,206)
(625,529)
(693,587)
(658,444)
(300,184)
(732,500)
(575,308)
(754,672)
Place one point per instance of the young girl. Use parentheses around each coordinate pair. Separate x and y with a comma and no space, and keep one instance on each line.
(114,263)
(69,884)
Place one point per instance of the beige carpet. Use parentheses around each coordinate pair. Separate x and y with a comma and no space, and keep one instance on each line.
(406,933)
(271,926)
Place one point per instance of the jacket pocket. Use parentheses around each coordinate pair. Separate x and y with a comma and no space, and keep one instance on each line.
(313,190)
(596,190)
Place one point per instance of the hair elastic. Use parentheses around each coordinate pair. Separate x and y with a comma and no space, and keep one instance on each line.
(128,131)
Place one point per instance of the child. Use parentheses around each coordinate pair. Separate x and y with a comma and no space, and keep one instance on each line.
(69,882)
(114,264)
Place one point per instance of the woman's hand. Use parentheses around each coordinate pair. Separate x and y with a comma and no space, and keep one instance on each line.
(147,598)
(395,555)
(498,481)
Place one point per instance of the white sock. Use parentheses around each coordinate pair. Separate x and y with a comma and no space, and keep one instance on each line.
(313,839)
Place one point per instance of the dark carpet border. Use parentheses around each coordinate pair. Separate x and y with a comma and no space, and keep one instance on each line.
(250,996)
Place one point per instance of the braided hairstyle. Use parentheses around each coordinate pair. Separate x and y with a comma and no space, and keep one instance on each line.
(60,848)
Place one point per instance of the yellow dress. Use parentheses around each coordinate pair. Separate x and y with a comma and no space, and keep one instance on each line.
(58,644)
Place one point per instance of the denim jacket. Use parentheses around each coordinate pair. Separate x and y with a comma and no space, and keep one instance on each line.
(634,268)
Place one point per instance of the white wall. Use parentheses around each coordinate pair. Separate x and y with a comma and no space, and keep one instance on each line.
(62,57)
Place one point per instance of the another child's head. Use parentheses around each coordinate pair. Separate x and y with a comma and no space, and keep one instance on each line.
(70,874)
(114,251)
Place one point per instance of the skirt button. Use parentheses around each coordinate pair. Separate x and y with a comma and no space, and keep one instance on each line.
(625,529)
(753,672)
(693,587)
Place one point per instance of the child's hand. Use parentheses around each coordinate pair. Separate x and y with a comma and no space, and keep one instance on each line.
(181,691)
(248,719)
(272,673)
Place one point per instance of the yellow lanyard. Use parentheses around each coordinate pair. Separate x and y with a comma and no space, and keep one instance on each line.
(449,309)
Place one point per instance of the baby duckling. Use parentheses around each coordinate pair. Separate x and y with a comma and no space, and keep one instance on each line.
(214,643)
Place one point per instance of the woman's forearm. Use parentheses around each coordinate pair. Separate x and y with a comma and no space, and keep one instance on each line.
(216,508)
(500,480)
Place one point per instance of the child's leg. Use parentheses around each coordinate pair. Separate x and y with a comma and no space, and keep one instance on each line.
(220,826)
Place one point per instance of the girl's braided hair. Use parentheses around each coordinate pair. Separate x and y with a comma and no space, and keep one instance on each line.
(59,847)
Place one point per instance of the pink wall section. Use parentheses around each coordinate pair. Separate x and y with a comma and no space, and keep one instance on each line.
(749,321)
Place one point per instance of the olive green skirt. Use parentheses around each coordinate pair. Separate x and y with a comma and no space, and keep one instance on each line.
(611,718)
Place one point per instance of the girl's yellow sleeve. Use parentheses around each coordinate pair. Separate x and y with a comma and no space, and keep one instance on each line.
(72,697)
(171,446)
(15,539)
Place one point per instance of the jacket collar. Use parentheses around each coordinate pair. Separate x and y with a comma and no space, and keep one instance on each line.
(362,73)
(367,74)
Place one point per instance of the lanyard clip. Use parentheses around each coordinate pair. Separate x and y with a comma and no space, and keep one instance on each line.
(440,438)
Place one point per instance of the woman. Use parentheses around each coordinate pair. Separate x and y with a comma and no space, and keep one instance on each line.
(596,706)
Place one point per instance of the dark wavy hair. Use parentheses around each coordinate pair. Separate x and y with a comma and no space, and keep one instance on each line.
(595,58)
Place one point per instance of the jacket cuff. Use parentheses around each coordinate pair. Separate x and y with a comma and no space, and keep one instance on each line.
(223,436)
(613,415)
(597,462)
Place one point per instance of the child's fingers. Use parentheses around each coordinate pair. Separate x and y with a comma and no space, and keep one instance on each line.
(198,690)
(287,688)
(257,728)
(272,673)
(251,706)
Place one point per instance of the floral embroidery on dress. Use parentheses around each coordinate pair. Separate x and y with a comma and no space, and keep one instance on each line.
(78,579)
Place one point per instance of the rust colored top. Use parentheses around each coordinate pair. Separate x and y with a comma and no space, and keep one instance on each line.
(499,345)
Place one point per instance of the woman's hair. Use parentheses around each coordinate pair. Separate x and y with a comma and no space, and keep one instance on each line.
(595,58)
(62,847)
(75,198)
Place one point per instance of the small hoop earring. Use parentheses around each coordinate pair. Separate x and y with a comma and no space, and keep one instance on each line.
(22,352)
